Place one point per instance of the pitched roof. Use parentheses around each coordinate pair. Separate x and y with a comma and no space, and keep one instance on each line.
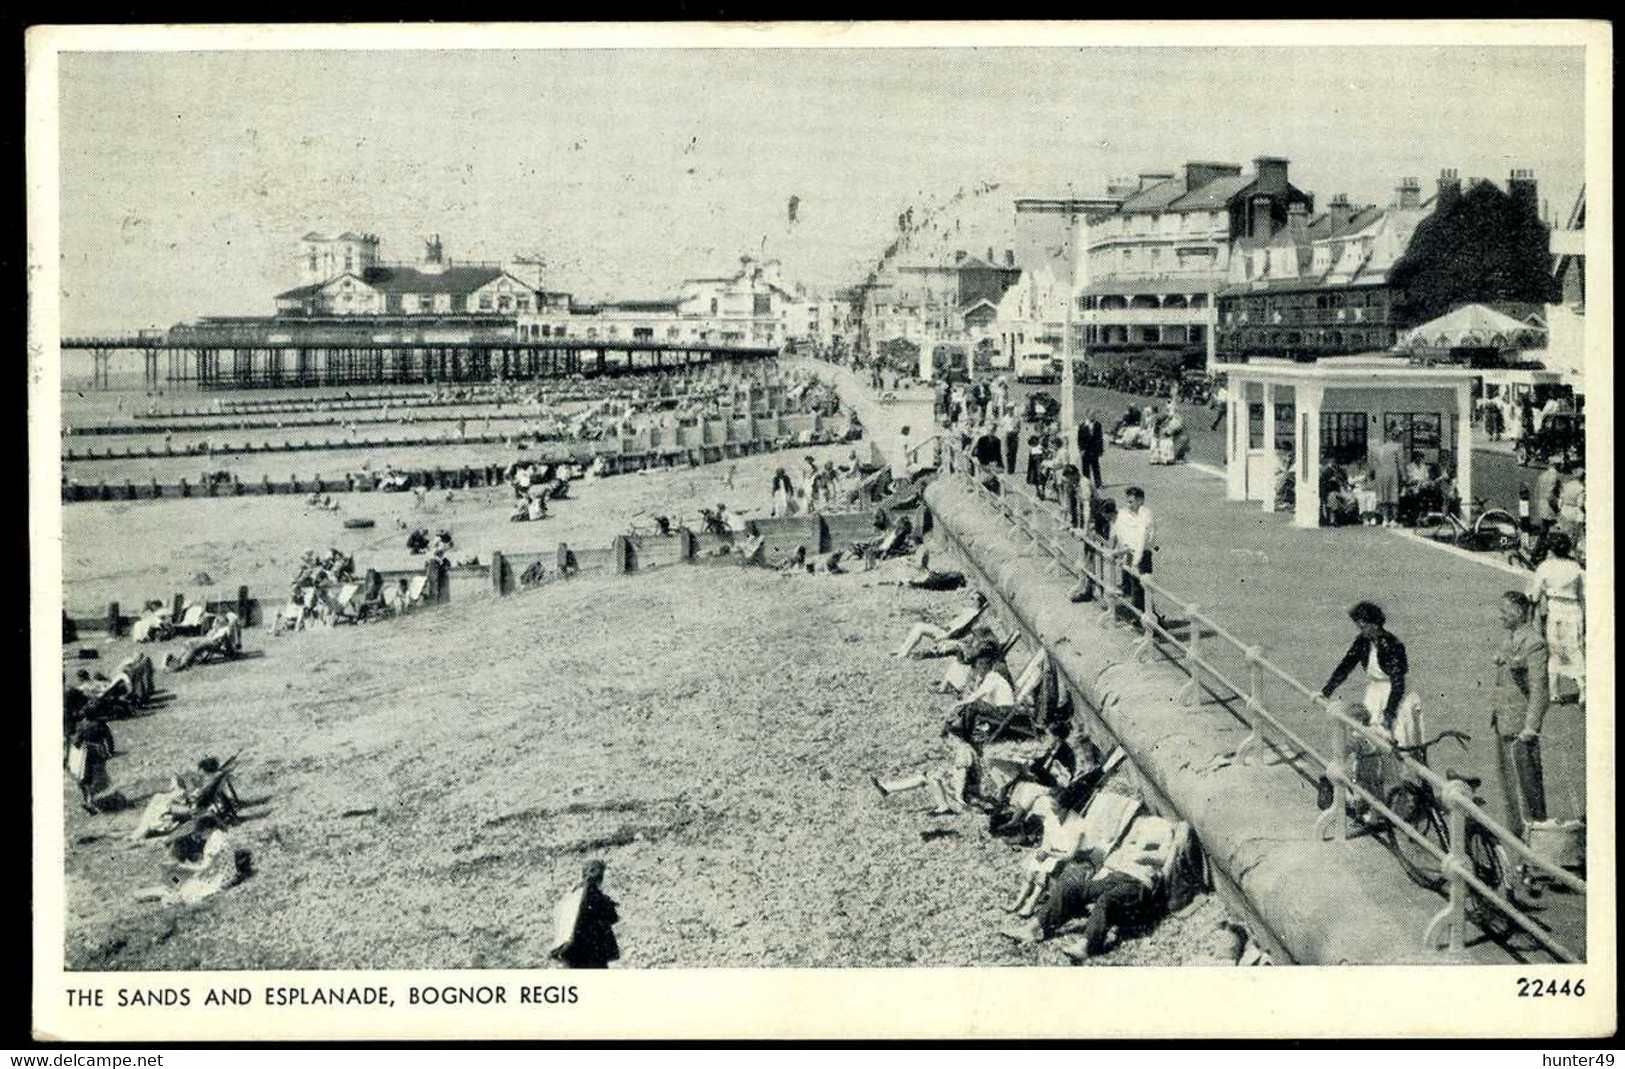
(1155,198)
(1216,194)
(299,292)
(411,280)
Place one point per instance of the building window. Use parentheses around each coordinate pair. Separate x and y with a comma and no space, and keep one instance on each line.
(313,262)
(713,306)
(1420,432)
(348,262)
(485,302)
(504,303)
(392,302)
(459,302)
(524,304)
(1343,437)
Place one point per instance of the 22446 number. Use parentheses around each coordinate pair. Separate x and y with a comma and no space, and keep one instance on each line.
(1528,988)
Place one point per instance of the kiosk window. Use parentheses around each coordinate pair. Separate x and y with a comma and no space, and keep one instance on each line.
(1419,432)
(1343,436)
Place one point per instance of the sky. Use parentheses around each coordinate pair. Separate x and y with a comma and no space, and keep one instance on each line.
(188,179)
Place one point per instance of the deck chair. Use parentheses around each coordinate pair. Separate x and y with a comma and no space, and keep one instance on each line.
(415,589)
(343,608)
(193,620)
(287,618)
(1027,683)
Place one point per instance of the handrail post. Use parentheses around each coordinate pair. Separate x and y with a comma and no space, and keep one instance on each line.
(1339,772)
(1148,629)
(1453,917)
(1191,692)
(1255,702)
(1109,587)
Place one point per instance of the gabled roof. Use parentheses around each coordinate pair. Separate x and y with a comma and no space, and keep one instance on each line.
(1216,194)
(1157,197)
(977,303)
(300,292)
(453,280)
(313,236)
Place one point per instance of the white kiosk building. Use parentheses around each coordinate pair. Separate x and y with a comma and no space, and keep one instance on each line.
(1342,408)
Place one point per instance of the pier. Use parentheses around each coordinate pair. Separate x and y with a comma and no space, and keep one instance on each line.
(210,365)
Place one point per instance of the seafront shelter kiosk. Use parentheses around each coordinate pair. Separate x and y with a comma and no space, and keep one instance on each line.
(1340,409)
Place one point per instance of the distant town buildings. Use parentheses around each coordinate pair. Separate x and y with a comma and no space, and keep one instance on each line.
(1150,270)
(1353,279)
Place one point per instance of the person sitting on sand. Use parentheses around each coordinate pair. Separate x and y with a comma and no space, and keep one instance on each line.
(205,862)
(967,778)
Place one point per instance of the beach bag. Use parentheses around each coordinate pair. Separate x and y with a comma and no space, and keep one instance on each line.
(565,917)
(1559,842)
(77,759)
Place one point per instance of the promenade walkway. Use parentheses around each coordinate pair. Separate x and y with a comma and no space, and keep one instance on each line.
(1289,589)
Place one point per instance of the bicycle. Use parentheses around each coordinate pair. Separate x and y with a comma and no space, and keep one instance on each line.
(1494,531)
(1417,803)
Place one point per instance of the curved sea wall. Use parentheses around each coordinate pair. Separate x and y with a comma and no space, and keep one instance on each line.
(1322,902)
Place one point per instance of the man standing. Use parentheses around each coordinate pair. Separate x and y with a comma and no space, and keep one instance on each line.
(1091,444)
(1135,535)
(986,450)
(1010,434)
(584,924)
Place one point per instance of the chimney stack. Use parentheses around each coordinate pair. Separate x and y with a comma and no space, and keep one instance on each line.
(959,256)
(990,260)
(1271,175)
(1338,213)
(1009,257)
(1259,223)
(1408,194)
(1297,223)
(1449,191)
(1522,189)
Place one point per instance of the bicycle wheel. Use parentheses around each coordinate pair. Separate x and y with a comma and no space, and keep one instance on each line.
(1441,527)
(1486,856)
(1414,806)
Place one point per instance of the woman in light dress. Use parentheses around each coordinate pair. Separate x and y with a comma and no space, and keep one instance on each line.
(1387,462)
(1558,590)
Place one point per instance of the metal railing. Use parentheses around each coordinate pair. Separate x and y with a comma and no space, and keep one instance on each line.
(1088,559)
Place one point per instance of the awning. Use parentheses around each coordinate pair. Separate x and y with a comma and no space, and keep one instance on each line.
(1473,326)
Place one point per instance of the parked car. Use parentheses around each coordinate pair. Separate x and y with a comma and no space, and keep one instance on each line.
(1037,366)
